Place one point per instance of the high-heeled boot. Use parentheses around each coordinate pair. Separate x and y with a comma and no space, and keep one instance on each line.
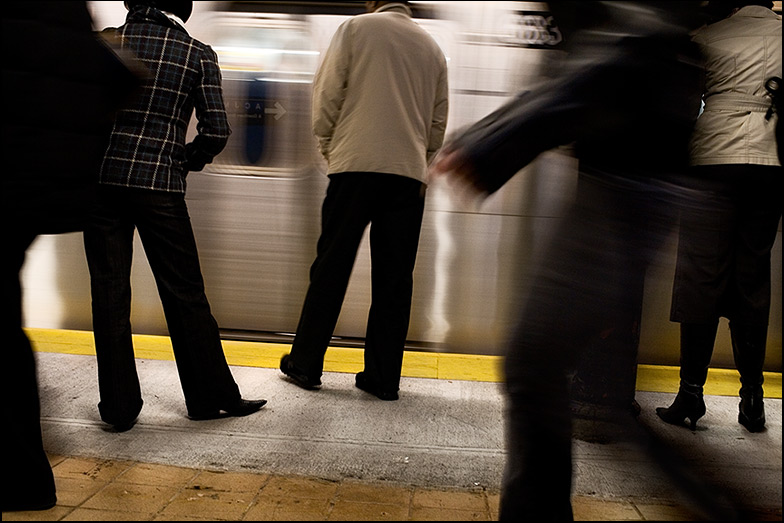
(748,348)
(688,403)
(697,342)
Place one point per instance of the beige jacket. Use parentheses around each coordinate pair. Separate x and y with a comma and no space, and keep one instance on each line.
(741,53)
(380,96)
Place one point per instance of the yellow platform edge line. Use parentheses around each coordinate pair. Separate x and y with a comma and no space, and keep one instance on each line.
(436,365)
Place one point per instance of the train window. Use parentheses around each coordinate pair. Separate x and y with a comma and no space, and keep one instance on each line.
(268,63)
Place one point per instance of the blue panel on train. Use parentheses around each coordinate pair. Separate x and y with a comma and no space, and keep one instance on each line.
(255,125)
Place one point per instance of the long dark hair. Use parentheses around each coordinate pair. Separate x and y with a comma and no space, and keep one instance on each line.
(718,10)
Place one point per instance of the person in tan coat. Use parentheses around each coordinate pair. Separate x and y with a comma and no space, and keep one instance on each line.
(723,266)
(380,103)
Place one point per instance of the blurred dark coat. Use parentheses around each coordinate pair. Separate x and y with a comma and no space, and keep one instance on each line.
(61,89)
(62,85)
(627,96)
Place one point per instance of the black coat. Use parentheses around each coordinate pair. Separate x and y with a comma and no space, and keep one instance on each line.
(627,97)
(62,86)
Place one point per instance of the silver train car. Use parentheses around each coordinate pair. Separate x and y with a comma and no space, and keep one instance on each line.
(256,209)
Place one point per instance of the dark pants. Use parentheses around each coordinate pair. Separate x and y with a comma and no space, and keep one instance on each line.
(589,281)
(394,205)
(165,229)
(724,267)
(30,484)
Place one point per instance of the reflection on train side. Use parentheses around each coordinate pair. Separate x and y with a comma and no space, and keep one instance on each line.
(268,65)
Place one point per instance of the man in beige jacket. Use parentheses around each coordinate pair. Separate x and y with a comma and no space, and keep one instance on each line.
(380,105)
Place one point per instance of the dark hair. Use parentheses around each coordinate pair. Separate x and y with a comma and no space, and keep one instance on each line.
(180,8)
(720,9)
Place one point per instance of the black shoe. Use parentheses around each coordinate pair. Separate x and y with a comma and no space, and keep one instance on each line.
(686,405)
(25,504)
(237,409)
(751,412)
(123,426)
(363,383)
(297,376)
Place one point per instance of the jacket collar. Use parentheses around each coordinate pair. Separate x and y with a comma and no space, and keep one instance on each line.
(150,15)
(756,11)
(395,7)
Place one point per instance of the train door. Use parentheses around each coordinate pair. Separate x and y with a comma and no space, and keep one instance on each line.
(256,208)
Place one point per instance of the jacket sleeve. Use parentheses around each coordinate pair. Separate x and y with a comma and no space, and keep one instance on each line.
(512,136)
(440,113)
(329,88)
(213,125)
(625,99)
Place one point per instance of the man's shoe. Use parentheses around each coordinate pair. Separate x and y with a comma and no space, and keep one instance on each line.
(29,502)
(124,427)
(237,409)
(363,383)
(297,376)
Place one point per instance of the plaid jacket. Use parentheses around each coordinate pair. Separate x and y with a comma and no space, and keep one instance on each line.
(147,147)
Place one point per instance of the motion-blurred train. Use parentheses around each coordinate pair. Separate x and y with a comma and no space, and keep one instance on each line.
(256,209)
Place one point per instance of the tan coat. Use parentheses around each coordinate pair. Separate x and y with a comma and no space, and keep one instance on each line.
(741,53)
(380,96)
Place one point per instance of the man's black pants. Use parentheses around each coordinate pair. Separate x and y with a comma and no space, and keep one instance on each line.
(394,206)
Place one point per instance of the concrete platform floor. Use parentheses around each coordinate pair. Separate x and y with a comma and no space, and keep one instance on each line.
(341,454)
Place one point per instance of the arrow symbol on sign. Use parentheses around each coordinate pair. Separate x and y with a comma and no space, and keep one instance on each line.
(278,111)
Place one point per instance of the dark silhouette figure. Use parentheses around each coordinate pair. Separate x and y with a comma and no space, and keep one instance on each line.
(626,96)
(61,88)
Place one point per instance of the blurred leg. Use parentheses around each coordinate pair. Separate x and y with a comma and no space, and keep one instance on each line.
(30,485)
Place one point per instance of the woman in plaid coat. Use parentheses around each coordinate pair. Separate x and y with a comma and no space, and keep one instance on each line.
(142,187)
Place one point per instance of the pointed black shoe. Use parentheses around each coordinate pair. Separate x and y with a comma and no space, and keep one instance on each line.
(363,383)
(237,409)
(297,376)
(686,405)
(751,412)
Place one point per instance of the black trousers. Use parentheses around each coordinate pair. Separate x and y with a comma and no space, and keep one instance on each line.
(394,206)
(167,235)
(725,243)
(32,482)
(588,283)
(724,266)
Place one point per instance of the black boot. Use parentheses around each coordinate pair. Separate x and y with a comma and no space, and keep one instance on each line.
(688,404)
(752,409)
(697,341)
(748,348)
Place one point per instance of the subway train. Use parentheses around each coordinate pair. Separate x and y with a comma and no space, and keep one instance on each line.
(256,209)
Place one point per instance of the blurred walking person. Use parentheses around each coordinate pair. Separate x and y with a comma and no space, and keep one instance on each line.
(626,97)
(61,89)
